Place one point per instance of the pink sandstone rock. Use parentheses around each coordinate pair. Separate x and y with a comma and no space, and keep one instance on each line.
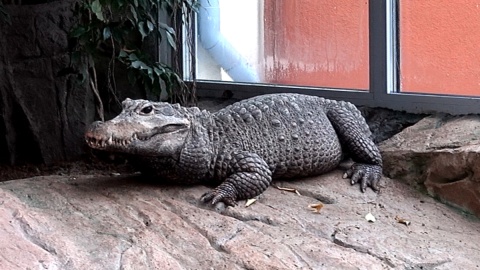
(123,222)
(441,153)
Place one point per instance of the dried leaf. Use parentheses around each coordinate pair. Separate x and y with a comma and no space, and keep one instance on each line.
(288,189)
(370,218)
(402,221)
(250,202)
(316,207)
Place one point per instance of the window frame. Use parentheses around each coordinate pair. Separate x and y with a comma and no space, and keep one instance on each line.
(384,75)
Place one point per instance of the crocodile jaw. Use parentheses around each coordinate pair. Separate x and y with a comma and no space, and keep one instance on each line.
(137,138)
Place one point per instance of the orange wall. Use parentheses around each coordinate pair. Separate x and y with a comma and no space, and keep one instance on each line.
(440,46)
(325,43)
(317,43)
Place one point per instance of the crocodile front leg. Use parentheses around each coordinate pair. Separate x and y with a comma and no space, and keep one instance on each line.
(368,167)
(249,177)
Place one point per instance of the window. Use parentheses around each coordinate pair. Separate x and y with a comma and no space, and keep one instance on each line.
(285,42)
(439,46)
(397,54)
(303,48)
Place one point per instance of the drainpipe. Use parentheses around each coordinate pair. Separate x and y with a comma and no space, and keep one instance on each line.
(218,46)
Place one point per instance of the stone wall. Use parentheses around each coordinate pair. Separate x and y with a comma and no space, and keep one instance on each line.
(44,109)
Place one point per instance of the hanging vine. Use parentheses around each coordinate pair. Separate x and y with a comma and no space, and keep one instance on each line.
(122,27)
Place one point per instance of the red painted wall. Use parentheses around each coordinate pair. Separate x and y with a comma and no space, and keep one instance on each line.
(325,43)
(440,46)
(317,43)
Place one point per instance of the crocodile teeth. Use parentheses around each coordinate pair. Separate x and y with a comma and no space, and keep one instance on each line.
(111,141)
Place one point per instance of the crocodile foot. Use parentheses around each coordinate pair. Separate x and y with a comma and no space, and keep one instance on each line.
(219,195)
(365,174)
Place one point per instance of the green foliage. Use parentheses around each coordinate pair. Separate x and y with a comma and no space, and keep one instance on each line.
(3,14)
(119,28)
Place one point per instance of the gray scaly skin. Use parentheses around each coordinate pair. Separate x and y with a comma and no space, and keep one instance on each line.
(242,147)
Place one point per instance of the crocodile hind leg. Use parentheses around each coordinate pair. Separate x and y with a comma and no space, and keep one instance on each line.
(249,177)
(367,169)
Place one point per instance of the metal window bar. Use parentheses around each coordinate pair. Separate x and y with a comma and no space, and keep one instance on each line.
(384,75)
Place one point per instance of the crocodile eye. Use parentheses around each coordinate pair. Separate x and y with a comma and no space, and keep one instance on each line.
(147,110)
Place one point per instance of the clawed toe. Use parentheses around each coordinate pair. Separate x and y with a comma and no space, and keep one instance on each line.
(208,196)
(365,174)
(214,197)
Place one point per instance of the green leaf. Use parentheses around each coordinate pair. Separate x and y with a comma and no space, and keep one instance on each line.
(177,78)
(159,71)
(150,74)
(150,26)
(119,3)
(167,28)
(4,15)
(79,31)
(136,64)
(171,41)
(132,57)
(150,17)
(122,54)
(106,33)
(170,34)
(134,13)
(139,65)
(141,29)
(166,79)
(97,9)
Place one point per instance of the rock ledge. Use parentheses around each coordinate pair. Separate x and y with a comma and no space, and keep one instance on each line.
(123,222)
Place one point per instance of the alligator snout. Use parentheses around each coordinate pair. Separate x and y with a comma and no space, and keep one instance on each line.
(95,136)
(103,135)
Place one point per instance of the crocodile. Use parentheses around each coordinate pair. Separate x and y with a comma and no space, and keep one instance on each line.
(243,146)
